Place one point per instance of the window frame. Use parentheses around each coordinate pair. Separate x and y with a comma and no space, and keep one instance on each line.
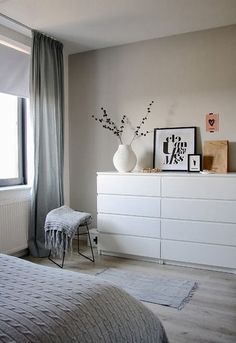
(22,156)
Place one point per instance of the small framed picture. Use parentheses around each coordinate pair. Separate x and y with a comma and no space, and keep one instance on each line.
(194,163)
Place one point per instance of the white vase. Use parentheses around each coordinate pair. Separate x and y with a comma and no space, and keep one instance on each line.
(124,159)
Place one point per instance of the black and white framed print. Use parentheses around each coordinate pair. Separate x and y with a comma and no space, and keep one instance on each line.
(194,163)
(172,147)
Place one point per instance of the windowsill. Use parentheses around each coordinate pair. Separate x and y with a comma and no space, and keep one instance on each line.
(14,194)
(15,188)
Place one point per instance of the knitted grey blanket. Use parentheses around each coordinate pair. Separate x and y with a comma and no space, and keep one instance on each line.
(41,304)
(61,225)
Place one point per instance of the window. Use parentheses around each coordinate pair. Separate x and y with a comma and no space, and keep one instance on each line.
(12,140)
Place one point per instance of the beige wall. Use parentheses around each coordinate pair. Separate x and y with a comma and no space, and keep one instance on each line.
(66,181)
(187,76)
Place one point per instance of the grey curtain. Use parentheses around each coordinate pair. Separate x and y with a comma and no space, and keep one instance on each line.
(47,107)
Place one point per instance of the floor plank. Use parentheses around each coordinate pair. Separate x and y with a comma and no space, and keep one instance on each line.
(209,317)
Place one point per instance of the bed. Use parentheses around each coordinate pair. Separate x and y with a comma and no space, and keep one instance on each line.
(45,304)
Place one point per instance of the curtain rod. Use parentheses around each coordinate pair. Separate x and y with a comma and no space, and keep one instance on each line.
(25,26)
(15,22)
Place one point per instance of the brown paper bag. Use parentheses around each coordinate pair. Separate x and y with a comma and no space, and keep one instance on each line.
(215,156)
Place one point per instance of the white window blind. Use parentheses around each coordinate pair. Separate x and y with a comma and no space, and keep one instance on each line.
(14,71)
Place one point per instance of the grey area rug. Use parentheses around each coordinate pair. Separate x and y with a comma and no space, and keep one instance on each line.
(154,289)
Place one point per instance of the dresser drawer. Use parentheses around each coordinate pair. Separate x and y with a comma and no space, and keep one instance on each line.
(129,185)
(200,210)
(212,255)
(201,187)
(129,205)
(201,232)
(128,225)
(129,245)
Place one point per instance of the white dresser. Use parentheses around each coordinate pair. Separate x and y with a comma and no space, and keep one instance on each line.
(171,217)
(128,208)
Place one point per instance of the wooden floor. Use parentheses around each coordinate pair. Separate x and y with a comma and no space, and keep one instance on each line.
(209,317)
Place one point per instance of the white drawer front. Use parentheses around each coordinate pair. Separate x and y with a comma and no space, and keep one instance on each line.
(139,246)
(129,205)
(128,225)
(203,210)
(129,185)
(212,255)
(202,232)
(203,187)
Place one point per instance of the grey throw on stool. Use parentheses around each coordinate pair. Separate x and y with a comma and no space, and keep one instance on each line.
(61,226)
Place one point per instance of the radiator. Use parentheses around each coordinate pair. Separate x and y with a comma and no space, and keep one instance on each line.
(14,220)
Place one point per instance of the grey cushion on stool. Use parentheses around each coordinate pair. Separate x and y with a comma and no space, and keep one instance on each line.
(61,225)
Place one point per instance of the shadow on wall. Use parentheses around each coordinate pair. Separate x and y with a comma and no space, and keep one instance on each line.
(232,152)
(145,160)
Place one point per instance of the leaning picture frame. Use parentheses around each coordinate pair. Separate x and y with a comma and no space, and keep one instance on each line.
(194,163)
(172,147)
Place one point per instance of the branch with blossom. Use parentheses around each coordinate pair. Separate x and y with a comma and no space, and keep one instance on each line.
(107,123)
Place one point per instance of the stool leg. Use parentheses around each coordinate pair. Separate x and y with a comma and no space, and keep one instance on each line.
(87,233)
(63,257)
(90,243)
